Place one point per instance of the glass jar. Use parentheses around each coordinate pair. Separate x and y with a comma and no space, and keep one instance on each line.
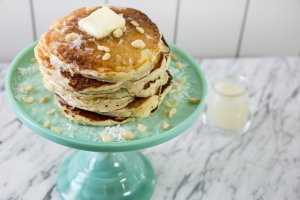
(227,105)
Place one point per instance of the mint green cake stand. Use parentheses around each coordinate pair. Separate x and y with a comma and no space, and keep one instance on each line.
(105,170)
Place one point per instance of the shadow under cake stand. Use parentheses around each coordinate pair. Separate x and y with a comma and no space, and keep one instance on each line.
(104,170)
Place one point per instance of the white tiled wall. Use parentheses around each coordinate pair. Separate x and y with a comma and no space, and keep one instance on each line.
(46,11)
(210,27)
(205,28)
(272,30)
(15,27)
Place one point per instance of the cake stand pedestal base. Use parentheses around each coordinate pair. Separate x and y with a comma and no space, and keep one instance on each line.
(101,176)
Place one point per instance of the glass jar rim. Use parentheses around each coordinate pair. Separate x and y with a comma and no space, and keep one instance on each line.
(241,80)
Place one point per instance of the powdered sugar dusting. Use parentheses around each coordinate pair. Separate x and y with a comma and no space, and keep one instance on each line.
(116,132)
(89,50)
(55,62)
(148,37)
(76,43)
(120,42)
(27,70)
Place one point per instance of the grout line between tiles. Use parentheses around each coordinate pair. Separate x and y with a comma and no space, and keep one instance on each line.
(32,16)
(176,21)
(242,31)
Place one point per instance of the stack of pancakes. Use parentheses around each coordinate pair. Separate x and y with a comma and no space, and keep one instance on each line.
(130,83)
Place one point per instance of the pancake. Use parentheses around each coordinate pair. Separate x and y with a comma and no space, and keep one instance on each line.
(125,63)
(84,117)
(84,85)
(91,90)
(140,107)
(142,88)
(104,105)
(53,86)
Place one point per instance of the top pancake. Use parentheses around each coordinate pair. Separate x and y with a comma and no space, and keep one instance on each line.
(125,63)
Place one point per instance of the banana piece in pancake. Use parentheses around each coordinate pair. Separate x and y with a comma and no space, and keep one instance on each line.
(84,117)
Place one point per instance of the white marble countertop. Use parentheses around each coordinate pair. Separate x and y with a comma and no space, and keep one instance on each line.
(263,164)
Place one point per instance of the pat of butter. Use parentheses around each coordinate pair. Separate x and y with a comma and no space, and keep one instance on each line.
(101,22)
